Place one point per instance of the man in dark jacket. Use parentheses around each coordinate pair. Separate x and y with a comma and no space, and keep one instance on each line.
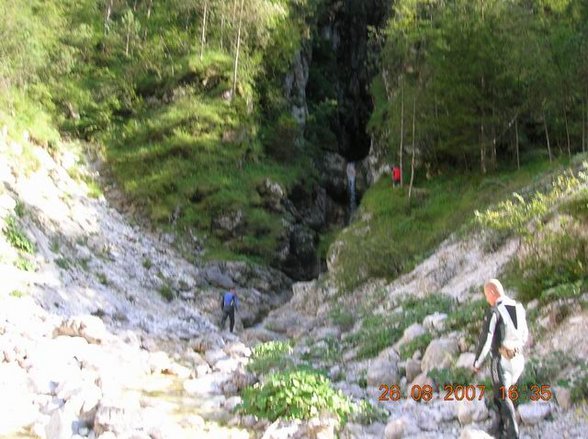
(229,302)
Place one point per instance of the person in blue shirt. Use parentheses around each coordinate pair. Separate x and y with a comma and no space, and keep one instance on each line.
(229,304)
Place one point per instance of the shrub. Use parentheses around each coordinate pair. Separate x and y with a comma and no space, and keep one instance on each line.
(366,413)
(16,236)
(270,355)
(295,394)
(166,292)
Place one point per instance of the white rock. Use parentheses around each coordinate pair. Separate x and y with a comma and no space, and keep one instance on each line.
(63,424)
(214,356)
(384,369)
(466,360)
(471,411)
(413,331)
(532,413)
(439,354)
(395,429)
(237,350)
(435,321)
(87,326)
(413,369)
(472,433)
(232,402)
(563,397)
(229,365)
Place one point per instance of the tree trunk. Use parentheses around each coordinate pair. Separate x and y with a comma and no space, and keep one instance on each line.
(108,13)
(149,7)
(547,137)
(401,131)
(493,156)
(413,146)
(517,143)
(203,36)
(222,29)
(567,134)
(128,39)
(482,149)
(238,46)
(584,126)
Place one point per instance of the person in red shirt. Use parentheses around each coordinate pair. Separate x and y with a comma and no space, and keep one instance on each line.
(396,175)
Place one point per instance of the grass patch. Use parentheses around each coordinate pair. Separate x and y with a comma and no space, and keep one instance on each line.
(380,331)
(63,263)
(102,278)
(17,293)
(16,236)
(147,263)
(468,318)
(420,343)
(23,263)
(342,318)
(167,292)
(396,233)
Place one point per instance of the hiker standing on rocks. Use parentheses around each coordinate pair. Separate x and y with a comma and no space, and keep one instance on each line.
(229,303)
(504,334)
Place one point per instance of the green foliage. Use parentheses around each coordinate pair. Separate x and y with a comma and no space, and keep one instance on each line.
(167,292)
(489,79)
(515,216)
(468,318)
(579,385)
(452,376)
(63,263)
(392,234)
(147,263)
(366,413)
(295,394)
(273,355)
(25,264)
(379,331)
(17,293)
(420,343)
(16,236)
(102,278)
(342,318)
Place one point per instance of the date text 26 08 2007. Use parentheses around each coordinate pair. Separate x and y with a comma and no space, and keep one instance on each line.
(459,392)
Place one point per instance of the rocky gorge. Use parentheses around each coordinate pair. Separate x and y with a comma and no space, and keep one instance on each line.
(108,331)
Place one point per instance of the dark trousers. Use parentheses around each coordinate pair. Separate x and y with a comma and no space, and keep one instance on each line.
(230,313)
(507,427)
